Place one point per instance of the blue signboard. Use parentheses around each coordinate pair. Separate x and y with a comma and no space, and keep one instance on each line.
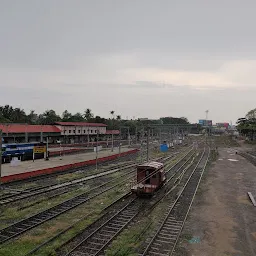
(163,148)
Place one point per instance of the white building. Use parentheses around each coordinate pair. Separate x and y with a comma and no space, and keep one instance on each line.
(80,131)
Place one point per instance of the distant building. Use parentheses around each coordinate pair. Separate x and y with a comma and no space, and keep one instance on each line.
(222,125)
(29,133)
(205,123)
(67,132)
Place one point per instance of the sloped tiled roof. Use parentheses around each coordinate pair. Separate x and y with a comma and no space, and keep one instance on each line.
(80,124)
(23,128)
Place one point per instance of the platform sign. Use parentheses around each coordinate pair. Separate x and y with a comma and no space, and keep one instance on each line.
(39,149)
(163,148)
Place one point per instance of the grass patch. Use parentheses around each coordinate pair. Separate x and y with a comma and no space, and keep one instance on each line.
(40,234)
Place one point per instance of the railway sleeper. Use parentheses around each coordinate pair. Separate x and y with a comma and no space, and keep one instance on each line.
(112,228)
(104,235)
(96,245)
(159,249)
(157,254)
(100,240)
(85,250)
(168,231)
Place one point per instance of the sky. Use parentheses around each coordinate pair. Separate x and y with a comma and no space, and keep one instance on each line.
(140,58)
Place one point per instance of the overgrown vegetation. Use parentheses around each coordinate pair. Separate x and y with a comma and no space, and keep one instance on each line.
(247,125)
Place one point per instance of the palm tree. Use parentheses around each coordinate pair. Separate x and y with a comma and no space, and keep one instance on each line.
(49,117)
(88,115)
(112,112)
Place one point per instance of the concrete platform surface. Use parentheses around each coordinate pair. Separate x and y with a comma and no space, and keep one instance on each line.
(64,149)
(30,166)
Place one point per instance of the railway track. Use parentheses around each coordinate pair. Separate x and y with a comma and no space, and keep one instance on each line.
(50,188)
(165,239)
(23,194)
(18,195)
(97,248)
(99,239)
(24,225)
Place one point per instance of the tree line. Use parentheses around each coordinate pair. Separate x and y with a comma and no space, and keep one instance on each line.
(247,125)
(9,114)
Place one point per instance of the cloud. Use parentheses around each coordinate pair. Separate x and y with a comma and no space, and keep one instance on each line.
(150,58)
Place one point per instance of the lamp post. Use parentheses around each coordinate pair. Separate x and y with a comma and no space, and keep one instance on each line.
(112,141)
(1,137)
(97,149)
(88,137)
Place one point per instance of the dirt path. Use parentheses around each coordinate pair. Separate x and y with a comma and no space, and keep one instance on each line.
(223,220)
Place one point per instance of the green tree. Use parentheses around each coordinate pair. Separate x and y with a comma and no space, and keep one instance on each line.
(78,117)
(251,114)
(49,117)
(88,115)
(66,116)
(32,117)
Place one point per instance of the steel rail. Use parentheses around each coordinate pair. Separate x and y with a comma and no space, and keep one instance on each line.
(50,188)
(95,243)
(104,211)
(168,232)
(26,224)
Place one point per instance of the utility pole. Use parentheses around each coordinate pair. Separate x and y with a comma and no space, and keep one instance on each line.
(97,149)
(41,135)
(1,137)
(112,142)
(47,145)
(169,137)
(148,131)
(136,135)
(141,145)
(26,134)
(160,136)
(88,137)
(120,142)
(129,138)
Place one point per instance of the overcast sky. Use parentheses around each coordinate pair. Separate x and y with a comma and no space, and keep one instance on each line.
(141,58)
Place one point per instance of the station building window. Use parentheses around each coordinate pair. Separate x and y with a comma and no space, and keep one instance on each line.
(84,131)
(91,131)
(78,131)
(69,131)
(74,131)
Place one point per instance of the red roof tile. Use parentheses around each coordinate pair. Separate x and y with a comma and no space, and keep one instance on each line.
(80,124)
(23,128)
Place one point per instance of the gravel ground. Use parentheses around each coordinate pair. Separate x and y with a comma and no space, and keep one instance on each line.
(222,220)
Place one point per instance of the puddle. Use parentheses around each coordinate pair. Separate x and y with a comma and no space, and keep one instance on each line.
(220,159)
(195,240)
(232,160)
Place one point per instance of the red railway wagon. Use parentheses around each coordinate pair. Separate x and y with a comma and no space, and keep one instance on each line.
(150,177)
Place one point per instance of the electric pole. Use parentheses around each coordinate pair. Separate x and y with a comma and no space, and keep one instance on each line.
(1,137)
(97,149)
(148,131)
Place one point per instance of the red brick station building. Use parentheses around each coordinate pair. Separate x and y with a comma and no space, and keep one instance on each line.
(66,132)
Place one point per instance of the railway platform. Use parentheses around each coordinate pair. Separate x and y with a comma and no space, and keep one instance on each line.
(39,167)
